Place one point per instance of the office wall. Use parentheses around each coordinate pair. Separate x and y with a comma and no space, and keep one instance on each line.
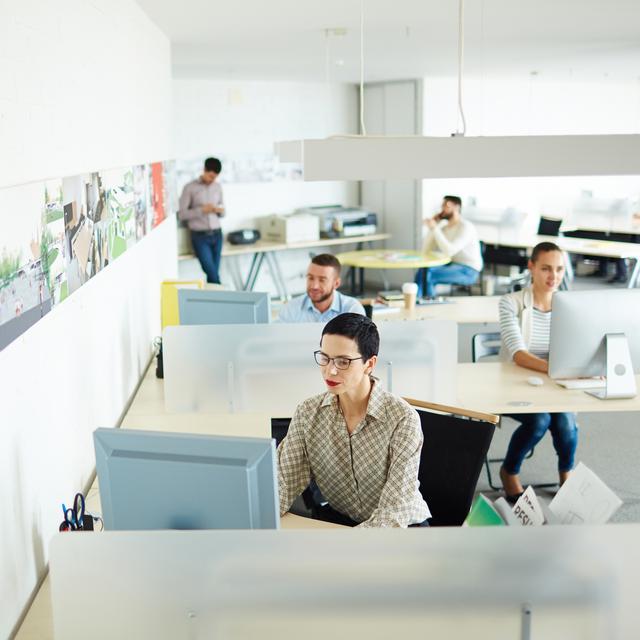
(223,117)
(394,108)
(83,86)
(534,105)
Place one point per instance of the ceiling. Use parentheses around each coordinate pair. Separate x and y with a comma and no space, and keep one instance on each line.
(297,39)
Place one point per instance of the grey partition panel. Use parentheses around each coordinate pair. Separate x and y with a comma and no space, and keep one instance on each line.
(376,583)
(271,367)
(201,306)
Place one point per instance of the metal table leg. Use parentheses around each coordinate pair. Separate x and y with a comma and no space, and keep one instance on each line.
(254,271)
(281,284)
(635,275)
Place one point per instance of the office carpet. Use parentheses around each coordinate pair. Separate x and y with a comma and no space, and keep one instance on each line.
(608,444)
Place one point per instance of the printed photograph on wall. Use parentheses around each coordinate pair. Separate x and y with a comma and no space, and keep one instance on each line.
(82,206)
(57,234)
(141,199)
(171,195)
(31,255)
(156,185)
(240,168)
(119,198)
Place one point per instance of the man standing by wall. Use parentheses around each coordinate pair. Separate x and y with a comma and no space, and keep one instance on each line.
(201,207)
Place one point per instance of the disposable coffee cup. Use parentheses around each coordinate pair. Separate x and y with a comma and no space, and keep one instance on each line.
(410,292)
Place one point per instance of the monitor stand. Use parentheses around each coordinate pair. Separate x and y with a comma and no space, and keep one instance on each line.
(621,382)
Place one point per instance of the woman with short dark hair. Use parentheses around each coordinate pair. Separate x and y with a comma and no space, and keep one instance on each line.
(358,442)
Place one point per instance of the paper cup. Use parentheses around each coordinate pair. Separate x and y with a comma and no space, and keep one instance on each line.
(410,292)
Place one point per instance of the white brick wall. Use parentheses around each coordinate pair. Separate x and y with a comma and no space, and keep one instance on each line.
(84,85)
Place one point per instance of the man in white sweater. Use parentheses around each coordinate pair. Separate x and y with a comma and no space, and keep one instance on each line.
(450,234)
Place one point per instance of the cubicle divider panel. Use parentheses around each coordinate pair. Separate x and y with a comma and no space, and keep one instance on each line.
(270,368)
(375,583)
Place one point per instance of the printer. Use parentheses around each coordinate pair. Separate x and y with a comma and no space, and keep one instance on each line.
(336,221)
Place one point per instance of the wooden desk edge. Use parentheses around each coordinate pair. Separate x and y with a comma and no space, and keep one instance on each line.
(443,408)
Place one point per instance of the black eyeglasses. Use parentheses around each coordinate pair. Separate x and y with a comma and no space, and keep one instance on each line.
(341,362)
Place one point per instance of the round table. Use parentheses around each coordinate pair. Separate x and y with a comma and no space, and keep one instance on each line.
(388,259)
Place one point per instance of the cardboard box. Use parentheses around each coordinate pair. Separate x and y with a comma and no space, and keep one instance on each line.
(297,227)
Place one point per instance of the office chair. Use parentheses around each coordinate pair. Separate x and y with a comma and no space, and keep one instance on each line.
(456,442)
(312,496)
(549,226)
(485,346)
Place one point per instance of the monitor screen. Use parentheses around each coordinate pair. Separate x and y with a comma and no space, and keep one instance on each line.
(152,480)
(580,320)
(198,306)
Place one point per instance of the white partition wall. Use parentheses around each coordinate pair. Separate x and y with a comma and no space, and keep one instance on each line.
(375,583)
(217,368)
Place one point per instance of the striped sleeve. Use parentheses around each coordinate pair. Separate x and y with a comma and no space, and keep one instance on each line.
(510,332)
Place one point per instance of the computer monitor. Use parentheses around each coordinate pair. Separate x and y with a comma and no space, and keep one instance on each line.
(152,480)
(589,331)
(201,306)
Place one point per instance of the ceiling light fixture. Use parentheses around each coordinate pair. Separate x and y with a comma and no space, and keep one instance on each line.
(362,157)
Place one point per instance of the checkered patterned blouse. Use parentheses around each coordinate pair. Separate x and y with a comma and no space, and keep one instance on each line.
(371,475)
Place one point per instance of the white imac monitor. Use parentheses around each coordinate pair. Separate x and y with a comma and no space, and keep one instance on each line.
(597,333)
(153,480)
(201,306)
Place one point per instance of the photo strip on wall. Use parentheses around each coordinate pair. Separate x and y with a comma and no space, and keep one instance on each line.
(60,233)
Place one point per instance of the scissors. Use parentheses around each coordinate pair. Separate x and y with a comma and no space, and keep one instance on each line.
(73,517)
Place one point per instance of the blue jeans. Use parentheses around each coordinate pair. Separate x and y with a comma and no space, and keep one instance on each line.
(452,273)
(208,248)
(564,433)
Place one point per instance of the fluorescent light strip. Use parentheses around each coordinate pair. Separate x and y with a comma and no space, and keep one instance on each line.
(415,157)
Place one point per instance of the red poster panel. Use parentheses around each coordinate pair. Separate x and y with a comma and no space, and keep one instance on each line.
(157,193)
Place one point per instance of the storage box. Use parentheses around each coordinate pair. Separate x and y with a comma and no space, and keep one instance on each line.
(297,227)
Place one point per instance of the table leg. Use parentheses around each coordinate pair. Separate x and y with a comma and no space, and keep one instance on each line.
(352,281)
(424,281)
(283,282)
(385,280)
(236,276)
(254,271)
(635,274)
(361,287)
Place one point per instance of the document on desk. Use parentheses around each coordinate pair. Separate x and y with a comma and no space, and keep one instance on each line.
(584,499)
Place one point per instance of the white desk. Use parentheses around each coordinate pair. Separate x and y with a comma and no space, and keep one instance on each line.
(460,309)
(513,237)
(501,387)
(265,250)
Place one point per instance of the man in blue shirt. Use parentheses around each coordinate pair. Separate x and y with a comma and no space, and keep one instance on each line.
(323,301)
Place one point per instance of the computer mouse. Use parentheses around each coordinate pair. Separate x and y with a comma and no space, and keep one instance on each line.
(534,381)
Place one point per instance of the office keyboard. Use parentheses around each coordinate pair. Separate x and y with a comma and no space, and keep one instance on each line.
(582,383)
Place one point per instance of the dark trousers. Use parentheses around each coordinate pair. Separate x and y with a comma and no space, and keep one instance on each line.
(207,246)
(327,513)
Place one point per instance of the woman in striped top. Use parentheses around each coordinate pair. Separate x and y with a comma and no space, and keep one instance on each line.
(525,320)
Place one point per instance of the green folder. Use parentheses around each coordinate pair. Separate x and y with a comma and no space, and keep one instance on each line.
(483,514)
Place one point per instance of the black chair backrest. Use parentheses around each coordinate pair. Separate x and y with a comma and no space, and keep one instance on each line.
(549,226)
(450,464)
(279,428)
